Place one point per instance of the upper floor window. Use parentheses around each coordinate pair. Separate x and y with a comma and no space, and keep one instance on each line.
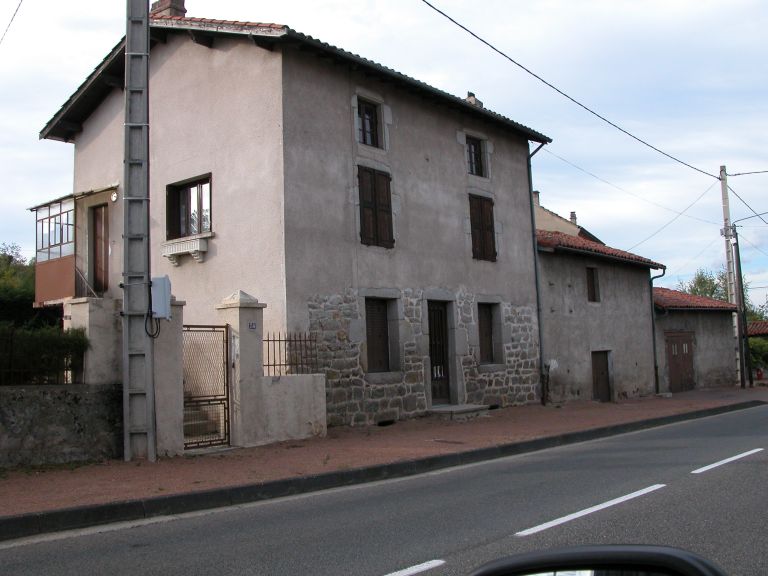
(481,222)
(475,157)
(55,230)
(188,208)
(375,208)
(593,285)
(368,123)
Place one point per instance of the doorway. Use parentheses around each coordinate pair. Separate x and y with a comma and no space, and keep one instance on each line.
(99,249)
(601,382)
(679,347)
(438,352)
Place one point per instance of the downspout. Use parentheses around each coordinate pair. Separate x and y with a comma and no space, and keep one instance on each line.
(543,376)
(653,331)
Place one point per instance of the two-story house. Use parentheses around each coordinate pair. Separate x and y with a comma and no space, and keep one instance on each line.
(390,219)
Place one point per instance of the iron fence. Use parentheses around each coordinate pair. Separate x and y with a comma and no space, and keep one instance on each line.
(38,357)
(290,353)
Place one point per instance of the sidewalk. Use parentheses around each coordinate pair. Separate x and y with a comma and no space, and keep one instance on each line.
(290,467)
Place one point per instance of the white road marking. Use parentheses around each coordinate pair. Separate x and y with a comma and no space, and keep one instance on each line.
(575,515)
(418,568)
(726,461)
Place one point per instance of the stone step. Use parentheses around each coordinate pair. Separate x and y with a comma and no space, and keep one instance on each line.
(458,411)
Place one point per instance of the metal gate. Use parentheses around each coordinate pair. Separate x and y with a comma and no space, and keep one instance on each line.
(206,386)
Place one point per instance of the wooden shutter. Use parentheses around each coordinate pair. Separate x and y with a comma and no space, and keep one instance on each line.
(475,219)
(593,285)
(384,211)
(485,329)
(377,335)
(489,235)
(481,222)
(365,178)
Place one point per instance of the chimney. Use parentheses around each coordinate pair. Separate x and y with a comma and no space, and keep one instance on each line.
(472,100)
(573,218)
(168,8)
(536,200)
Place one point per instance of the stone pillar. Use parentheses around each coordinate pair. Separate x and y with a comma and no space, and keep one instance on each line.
(101,319)
(244,314)
(169,383)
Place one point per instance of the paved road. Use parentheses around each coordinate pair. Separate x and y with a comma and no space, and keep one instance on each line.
(457,519)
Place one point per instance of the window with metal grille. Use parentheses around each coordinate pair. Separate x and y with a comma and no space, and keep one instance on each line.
(188,208)
(377,334)
(593,285)
(485,330)
(475,159)
(375,208)
(481,222)
(367,123)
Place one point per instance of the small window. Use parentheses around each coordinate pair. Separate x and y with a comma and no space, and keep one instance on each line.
(188,208)
(593,285)
(475,156)
(377,334)
(375,208)
(487,327)
(367,123)
(55,230)
(481,222)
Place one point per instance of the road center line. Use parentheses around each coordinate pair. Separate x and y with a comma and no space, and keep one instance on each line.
(575,515)
(418,568)
(726,461)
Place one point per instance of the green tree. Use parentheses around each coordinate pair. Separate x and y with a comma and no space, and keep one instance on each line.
(707,283)
(17,289)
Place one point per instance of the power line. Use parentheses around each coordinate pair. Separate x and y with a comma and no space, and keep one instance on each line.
(707,247)
(673,219)
(747,205)
(747,173)
(741,236)
(604,181)
(11,22)
(556,89)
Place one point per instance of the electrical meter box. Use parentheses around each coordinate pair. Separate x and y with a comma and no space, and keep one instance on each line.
(161,297)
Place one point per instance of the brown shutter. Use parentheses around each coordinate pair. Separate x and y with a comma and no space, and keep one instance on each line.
(384,211)
(485,329)
(367,205)
(489,235)
(475,219)
(377,335)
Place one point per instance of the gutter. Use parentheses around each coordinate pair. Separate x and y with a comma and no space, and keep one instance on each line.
(653,331)
(543,374)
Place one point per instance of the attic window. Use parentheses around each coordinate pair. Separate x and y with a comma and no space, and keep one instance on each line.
(475,157)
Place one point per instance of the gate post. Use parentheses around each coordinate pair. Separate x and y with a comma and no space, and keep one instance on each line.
(244,314)
(169,383)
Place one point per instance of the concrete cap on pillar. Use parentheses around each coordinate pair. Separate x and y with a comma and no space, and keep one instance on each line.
(240,299)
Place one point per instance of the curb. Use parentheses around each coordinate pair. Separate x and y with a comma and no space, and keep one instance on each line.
(24,525)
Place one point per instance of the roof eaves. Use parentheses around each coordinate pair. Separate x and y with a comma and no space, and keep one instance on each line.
(642,262)
(419,85)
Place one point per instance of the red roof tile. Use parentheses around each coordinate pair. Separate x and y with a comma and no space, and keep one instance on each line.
(676,300)
(156,18)
(759,328)
(567,242)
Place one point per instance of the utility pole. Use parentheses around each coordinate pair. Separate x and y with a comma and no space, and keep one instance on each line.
(138,372)
(729,271)
(746,362)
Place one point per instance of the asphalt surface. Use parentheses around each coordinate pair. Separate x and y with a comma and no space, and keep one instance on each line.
(462,516)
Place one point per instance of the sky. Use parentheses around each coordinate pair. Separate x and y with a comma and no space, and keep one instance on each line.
(689,77)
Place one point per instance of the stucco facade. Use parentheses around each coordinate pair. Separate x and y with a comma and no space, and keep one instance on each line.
(273,130)
(574,328)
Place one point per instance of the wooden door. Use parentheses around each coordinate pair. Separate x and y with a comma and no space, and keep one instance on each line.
(438,352)
(679,347)
(100,248)
(601,383)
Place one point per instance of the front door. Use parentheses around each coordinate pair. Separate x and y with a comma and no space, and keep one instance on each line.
(438,352)
(99,248)
(601,383)
(680,361)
